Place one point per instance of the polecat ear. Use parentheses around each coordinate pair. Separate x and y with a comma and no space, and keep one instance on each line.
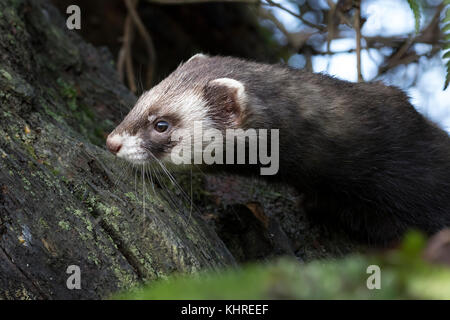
(228,99)
(197,56)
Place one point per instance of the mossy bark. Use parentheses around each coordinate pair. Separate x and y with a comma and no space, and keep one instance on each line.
(62,201)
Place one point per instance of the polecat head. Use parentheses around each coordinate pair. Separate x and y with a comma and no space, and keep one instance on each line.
(200,90)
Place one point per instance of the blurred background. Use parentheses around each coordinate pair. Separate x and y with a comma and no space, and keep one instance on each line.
(355,40)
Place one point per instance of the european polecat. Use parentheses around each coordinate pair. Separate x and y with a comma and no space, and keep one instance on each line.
(366,160)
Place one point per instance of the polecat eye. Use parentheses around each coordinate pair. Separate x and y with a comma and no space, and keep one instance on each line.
(161,126)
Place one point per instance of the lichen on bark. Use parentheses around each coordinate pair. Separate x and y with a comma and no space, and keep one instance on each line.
(62,201)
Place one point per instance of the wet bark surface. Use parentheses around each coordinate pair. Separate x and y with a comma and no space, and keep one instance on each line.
(64,200)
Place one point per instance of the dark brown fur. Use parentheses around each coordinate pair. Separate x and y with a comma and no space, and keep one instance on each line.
(365,158)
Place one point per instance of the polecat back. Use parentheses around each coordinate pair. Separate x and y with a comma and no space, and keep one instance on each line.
(364,157)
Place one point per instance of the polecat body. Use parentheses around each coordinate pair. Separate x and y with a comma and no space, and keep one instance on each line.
(361,153)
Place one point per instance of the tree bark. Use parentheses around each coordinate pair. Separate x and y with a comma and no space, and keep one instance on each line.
(63,200)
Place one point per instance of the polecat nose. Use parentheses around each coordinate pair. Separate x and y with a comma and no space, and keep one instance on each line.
(113,145)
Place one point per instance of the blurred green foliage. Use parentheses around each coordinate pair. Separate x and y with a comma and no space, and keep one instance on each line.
(404,275)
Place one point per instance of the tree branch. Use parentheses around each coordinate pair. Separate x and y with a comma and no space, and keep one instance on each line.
(358,38)
(309,24)
(147,39)
(125,58)
(198,1)
(295,40)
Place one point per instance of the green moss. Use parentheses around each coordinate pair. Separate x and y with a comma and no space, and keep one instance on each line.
(404,275)
(108,210)
(126,280)
(6,75)
(12,82)
(89,126)
(4,95)
(7,114)
(30,150)
(66,53)
(78,212)
(11,39)
(27,184)
(69,92)
(82,216)
(52,114)
(64,225)
(93,258)
(55,171)
(131,196)
(43,223)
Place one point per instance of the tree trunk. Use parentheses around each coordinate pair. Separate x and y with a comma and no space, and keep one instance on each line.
(63,200)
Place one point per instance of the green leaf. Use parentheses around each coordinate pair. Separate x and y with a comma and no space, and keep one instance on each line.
(415,7)
(446,28)
(447,80)
(446,55)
